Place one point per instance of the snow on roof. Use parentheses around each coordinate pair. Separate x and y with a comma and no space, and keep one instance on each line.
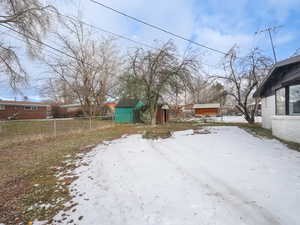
(165,107)
(207,106)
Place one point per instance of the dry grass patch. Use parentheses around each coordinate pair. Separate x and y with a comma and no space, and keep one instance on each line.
(258,131)
(29,186)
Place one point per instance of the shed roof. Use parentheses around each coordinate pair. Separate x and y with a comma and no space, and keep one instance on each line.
(275,68)
(207,106)
(22,103)
(127,103)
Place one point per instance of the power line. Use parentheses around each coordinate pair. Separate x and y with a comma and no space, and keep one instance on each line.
(113,33)
(159,28)
(20,39)
(50,51)
(103,30)
(42,43)
(87,24)
(38,41)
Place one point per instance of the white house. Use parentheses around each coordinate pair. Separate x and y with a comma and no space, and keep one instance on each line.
(280,104)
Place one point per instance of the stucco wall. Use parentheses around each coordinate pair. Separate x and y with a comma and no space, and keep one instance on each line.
(286,127)
(267,111)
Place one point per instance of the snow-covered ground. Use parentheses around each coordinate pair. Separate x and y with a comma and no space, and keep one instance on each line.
(225,119)
(226,177)
(234,119)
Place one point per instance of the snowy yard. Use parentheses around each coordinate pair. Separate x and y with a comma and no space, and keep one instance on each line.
(225,177)
(234,119)
(225,119)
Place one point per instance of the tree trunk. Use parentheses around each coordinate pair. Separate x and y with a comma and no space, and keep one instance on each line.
(153,121)
(153,111)
(250,119)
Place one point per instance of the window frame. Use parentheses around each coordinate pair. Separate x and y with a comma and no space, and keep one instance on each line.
(30,108)
(288,96)
(2,107)
(285,102)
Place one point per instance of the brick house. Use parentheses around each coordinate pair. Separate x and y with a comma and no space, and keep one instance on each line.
(22,110)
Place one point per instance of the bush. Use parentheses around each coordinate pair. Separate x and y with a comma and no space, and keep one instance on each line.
(157,134)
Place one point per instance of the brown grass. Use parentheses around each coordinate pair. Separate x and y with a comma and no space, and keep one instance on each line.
(19,131)
(28,168)
(258,131)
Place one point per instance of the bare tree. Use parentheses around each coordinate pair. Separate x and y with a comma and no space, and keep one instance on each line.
(203,90)
(57,92)
(90,73)
(242,77)
(130,87)
(32,19)
(158,71)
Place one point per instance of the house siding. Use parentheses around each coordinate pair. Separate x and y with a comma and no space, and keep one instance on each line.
(22,114)
(286,127)
(124,115)
(268,111)
(128,111)
(282,75)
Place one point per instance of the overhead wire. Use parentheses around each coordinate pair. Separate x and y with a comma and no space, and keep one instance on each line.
(158,28)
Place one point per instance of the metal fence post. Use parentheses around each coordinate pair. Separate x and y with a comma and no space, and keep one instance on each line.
(54,127)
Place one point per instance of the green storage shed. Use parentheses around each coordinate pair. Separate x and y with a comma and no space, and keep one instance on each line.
(128,111)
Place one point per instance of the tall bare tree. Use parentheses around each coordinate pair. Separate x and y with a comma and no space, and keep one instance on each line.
(32,19)
(90,73)
(158,71)
(242,76)
(130,87)
(57,92)
(203,90)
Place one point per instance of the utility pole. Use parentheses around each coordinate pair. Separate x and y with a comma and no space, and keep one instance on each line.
(269,31)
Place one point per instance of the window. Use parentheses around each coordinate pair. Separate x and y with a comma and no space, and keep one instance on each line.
(2,107)
(30,108)
(280,102)
(294,100)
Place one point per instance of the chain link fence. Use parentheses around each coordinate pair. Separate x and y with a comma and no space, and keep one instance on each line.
(30,129)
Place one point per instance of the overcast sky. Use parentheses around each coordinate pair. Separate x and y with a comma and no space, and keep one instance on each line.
(216,23)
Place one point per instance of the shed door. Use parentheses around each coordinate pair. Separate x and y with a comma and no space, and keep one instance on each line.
(124,115)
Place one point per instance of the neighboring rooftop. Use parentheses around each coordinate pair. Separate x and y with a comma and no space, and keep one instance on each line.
(75,105)
(71,105)
(22,103)
(207,106)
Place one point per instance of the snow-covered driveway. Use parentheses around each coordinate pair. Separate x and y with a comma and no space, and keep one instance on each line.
(227,177)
